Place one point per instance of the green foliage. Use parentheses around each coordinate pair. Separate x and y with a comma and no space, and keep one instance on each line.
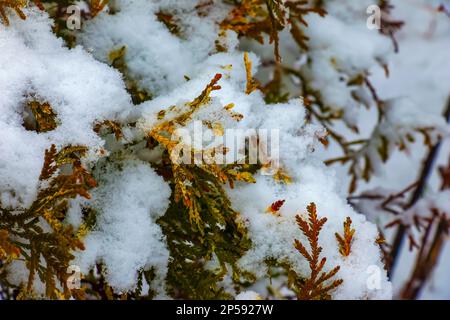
(200,224)
(224,239)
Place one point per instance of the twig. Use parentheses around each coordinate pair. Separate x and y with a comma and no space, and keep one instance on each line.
(426,259)
(418,192)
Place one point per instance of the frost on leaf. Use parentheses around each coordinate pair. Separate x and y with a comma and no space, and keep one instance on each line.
(168,20)
(156,227)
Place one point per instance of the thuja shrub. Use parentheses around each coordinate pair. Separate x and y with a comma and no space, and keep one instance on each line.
(93,203)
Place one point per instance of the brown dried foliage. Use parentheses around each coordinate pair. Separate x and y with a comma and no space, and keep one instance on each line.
(317,286)
(389,26)
(44,116)
(97,6)
(256,18)
(8,250)
(252,83)
(275,207)
(17,6)
(110,125)
(44,241)
(345,241)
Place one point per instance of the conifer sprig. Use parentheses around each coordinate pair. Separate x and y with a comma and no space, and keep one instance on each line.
(275,207)
(38,232)
(110,125)
(345,241)
(252,83)
(183,175)
(8,251)
(254,18)
(207,225)
(317,285)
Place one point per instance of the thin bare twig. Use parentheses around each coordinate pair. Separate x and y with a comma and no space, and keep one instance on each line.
(418,192)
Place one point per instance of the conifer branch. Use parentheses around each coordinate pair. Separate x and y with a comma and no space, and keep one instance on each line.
(184,177)
(39,234)
(316,286)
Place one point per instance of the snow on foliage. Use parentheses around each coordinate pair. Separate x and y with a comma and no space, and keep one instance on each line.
(81,91)
(167,53)
(128,239)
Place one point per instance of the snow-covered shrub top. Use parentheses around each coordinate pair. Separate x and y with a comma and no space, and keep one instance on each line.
(150,216)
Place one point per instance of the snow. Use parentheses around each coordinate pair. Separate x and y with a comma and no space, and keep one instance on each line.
(127,238)
(420,80)
(273,236)
(157,59)
(340,50)
(248,295)
(82,89)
